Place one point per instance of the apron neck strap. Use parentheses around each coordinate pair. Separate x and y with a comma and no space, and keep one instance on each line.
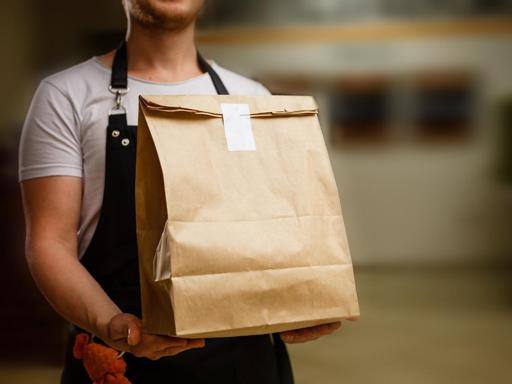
(216,80)
(119,77)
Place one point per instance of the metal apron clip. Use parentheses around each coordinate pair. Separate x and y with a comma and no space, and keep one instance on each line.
(118,102)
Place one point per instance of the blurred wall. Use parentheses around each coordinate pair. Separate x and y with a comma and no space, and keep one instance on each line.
(41,37)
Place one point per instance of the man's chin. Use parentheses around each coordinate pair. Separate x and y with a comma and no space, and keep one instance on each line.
(170,14)
(174,21)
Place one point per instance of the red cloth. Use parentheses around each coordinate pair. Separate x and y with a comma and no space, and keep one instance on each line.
(103,364)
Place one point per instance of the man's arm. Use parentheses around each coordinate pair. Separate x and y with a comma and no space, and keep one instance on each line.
(52,211)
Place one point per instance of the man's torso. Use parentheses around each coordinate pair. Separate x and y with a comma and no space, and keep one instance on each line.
(65,130)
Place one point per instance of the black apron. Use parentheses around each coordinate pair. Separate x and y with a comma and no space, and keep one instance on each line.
(111,258)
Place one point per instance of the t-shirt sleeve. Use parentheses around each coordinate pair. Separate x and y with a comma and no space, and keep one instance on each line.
(261,90)
(50,140)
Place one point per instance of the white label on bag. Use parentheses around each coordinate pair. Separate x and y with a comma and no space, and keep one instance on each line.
(237,127)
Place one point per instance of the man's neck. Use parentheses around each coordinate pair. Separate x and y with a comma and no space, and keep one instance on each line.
(160,55)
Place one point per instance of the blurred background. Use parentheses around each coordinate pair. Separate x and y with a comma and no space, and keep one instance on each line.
(416,106)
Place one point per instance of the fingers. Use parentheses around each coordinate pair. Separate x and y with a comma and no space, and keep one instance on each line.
(152,344)
(125,327)
(309,334)
(328,328)
(299,336)
(134,333)
(333,326)
(125,333)
(174,350)
(159,343)
(154,347)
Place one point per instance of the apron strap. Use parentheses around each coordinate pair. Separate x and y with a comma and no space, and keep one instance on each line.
(119,76)
(216,80)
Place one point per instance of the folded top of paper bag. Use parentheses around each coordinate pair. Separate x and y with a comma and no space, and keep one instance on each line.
(260,106)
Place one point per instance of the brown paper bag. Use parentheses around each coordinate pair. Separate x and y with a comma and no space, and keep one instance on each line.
(239,223)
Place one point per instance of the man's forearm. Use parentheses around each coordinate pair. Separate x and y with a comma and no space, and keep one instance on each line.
(69,287)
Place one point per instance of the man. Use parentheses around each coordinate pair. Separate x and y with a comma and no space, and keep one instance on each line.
(77,159)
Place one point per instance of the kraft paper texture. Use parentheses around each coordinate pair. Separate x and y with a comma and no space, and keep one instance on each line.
(236,243)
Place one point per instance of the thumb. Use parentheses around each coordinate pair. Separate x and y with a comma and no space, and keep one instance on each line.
(126,327)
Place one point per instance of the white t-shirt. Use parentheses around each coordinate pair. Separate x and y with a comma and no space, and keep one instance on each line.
(65,130)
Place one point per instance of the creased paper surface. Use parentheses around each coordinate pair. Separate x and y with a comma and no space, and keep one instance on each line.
(238,242)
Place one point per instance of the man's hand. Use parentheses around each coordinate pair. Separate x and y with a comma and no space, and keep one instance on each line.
(125,333)
(312,333)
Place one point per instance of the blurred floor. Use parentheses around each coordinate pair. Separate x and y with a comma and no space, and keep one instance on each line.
(433,326)
(418,326)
